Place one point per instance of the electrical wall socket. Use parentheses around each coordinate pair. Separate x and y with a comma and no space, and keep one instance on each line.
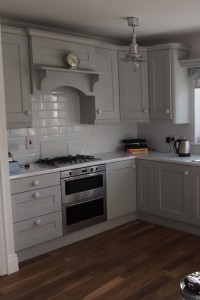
(29,143)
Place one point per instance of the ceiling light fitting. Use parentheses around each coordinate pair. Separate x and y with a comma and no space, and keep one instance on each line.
(134,55)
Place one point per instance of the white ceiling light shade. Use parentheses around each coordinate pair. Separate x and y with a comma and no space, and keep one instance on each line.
(134,54)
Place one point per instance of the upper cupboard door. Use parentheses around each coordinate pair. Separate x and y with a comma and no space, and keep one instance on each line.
(49,51)
(160,84)
(16,80)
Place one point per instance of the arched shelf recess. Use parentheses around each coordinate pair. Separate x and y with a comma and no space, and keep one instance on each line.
(52,77)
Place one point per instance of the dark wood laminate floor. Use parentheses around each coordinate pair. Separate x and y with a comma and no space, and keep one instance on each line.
(134,261)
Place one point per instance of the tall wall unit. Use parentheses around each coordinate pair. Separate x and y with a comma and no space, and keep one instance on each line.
(168,83)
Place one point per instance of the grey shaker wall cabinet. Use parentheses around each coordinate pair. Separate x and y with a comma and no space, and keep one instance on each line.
(168,83)
(16,78)
(134,96)
(121,188)
(104,107)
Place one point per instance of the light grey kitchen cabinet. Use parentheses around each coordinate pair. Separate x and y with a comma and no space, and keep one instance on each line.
(16,79)
(172,191)
(145,185)
(134,98)
(104,106)
(121,188)
(107,88)
(168,83)
(195,195)
(36,205)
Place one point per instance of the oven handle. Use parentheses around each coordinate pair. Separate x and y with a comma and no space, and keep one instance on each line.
(83,176)
(83,201)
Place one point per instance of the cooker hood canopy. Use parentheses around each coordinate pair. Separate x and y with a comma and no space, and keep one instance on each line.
(49,78)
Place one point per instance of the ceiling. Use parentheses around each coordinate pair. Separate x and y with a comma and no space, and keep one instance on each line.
(107,18)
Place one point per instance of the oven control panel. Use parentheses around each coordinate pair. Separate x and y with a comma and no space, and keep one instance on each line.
(82,171)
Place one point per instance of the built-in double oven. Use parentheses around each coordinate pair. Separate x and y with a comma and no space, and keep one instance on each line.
(83,197)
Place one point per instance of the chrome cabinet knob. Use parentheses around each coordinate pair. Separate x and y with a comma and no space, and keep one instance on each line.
(145,111)
(35,182)
(134,167)
(186,173)
(99,111)
(37,222)
(167,111)
(28,113)
(36,195)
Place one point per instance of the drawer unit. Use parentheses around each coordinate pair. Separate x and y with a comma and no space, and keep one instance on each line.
(36,203)
(37,230)
(34,182)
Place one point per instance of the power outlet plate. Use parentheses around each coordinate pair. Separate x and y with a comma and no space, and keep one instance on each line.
(29,143)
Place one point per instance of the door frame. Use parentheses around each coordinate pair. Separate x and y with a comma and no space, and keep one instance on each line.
(8,257)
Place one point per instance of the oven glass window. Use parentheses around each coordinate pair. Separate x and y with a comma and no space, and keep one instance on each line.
(84,211)
(83,184)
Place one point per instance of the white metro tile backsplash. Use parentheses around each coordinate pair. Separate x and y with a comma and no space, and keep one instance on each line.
(56,117)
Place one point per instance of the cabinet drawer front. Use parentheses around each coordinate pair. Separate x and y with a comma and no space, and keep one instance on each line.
(37,230)
(34,182)
(36,203)
(47,51)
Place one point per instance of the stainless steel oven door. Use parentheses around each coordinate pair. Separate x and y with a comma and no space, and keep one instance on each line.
(84,213)
(83,186)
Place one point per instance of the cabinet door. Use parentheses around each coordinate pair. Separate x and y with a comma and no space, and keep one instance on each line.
(121,188)
(134,101)
(172,191)
(16,80)
(160,84)
(195,195)
(145,186)
(107,89)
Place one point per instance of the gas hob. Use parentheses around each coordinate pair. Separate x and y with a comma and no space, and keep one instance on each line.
(66,160)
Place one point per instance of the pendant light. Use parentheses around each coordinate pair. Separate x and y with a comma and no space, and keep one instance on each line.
(134,55)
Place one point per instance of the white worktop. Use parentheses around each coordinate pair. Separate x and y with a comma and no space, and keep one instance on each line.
(106,158)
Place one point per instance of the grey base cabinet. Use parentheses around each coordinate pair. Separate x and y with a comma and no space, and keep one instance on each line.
(16,80)
(36,206)
(172,191)
(145,186)
(121,188)
(195,195)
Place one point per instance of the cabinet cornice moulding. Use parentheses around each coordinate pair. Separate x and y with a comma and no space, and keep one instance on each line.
(190,63)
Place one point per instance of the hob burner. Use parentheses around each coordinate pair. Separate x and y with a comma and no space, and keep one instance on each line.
(69,159)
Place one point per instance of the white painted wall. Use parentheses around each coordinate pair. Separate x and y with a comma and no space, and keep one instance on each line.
(8,258)
(56,116)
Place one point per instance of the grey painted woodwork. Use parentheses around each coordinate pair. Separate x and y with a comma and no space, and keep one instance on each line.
(121,188)
(34,182)
(50,52)
(104,106)
(134,99)
(195,195)
(107,89)
(168,84)
(172,191)
(145,185)
(37,230)
(35,203)
(16,80)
